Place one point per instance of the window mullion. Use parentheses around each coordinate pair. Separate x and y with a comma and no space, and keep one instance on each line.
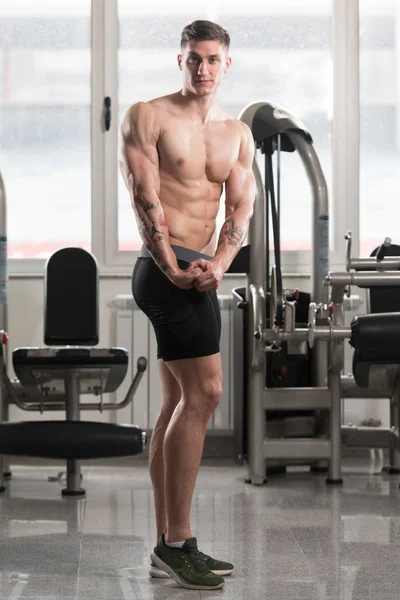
(346,153)
(110,224)
(98,155)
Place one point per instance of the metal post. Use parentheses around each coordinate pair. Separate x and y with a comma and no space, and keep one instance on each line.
(257,278)
(336,361)
(335,413)
(320,243)
(256,424)
(72,389)
(256,364)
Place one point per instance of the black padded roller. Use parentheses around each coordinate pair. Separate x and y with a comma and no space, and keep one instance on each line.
(70,439)
(376,337)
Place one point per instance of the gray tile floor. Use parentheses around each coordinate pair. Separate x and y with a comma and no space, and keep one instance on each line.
(295,538)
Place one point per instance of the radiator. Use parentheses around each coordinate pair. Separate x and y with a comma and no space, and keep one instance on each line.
(135,333)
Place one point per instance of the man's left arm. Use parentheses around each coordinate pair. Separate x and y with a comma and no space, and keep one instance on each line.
(240,191)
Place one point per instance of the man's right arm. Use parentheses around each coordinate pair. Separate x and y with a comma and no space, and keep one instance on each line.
(138,160)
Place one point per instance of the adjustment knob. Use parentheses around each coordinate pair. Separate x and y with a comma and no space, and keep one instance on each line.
(331,308)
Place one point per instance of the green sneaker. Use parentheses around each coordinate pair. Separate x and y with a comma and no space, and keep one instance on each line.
(219,567)
(185,565)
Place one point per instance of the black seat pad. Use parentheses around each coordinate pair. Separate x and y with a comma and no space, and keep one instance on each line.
(74,357)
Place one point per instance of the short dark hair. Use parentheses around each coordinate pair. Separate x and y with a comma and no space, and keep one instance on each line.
(205,30)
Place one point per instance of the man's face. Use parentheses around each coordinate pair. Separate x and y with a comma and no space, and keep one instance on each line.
(203,64)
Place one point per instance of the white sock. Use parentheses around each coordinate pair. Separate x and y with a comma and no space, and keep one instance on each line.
(175,544)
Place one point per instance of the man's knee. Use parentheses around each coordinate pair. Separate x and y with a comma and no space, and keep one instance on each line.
(206,397)
(213,391)
(200,380)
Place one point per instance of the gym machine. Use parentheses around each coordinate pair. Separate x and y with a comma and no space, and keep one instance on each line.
(53,377)
(289,352)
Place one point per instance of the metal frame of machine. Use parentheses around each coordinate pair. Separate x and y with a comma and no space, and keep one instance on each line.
(326,329)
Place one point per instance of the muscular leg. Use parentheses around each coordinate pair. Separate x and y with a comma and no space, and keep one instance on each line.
(171,395)
(200,380)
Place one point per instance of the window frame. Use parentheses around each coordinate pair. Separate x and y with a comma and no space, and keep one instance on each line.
(105,171)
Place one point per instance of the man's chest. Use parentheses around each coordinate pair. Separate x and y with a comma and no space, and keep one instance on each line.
(194,152)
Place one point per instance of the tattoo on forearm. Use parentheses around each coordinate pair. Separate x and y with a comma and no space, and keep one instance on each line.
(156,232)
(148,234)
(147,205)
(233,234)
(143,229)
(148,241)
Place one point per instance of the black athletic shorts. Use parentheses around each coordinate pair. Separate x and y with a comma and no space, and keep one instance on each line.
(187,323)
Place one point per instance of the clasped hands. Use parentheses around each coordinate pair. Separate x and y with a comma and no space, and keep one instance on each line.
(203,275)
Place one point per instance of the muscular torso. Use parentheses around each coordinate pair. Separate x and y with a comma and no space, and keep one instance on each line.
(195,159)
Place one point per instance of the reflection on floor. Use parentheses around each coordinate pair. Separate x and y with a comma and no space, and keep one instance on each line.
(294,538)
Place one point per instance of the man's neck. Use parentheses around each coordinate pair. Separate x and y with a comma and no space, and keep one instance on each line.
(201,108)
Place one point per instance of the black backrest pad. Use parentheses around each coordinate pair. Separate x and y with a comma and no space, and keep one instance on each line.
(71,298)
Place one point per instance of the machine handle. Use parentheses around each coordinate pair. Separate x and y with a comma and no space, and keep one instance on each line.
(347,237)
(380,255)
(312,323)
(141,367)
(141,364)
(257,297)
(347,290)
(107,112)
(362,264)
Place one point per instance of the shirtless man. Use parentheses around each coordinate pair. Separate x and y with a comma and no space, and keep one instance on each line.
(177,152)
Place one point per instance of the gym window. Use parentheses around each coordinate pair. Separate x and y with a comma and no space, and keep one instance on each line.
(58,62)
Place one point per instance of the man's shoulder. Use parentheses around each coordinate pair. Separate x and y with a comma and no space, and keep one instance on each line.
(244,138)
(243,128)
(145,114)
(163,101)
(153,106)
(240,127)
